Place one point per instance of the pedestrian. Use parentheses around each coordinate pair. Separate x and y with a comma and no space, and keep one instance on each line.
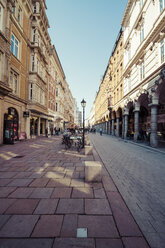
(101,131)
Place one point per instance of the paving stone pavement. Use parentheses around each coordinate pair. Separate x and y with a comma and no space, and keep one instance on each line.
(44,199)
(139,174)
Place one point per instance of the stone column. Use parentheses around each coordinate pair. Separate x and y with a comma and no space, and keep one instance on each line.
(136,121)
(1,119)
(38,127)
(153,135)
(27,126)
(113,127)
(126,113)
(123,126)
(106,127)
(110,127)
(117,127)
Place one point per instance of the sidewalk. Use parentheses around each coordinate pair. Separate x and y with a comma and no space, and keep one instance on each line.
(45,202)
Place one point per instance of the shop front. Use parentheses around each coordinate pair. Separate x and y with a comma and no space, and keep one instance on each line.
(11,126)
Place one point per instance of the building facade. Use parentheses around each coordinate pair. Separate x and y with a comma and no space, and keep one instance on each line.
(30,73)
(144,70)
(109,99)
(136,103)
(14,55)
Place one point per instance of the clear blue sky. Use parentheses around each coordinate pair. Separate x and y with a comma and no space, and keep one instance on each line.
(84,33)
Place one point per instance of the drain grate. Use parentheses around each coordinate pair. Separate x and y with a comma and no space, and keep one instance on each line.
(19,156)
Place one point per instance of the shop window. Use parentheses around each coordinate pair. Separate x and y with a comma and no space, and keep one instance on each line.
(1,17)
(162,51)
(162,5)
(14,46)
(14,82)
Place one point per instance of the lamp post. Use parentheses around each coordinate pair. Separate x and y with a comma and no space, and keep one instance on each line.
(83,104)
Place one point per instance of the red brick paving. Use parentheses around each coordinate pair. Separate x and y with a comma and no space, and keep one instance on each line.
(5,204)
(99,193)
(26,243)
(70,206)
(41,193)
(46,206)
(39,182)
(19,226)
(134,242)
(69,227)
(109,243)
(125,222)
(21,193)
(76,243)
(61,193)
(97,206)
(22,206)
(47,199)
(5,191)
(98,226)
(48,226)
(82,193)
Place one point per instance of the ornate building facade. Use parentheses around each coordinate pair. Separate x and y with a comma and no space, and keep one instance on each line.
(109,99)
(140,112)
(30,72)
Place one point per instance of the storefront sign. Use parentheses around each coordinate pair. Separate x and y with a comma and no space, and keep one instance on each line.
(26,114)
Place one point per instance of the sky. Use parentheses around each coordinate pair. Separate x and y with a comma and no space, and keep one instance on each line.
(84,33)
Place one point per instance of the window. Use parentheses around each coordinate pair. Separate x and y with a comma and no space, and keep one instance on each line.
(140,4)
(37,66)
(56,92)
(162,50)
(32,68)
(14,46)
(1,17)
(162,5)
(19,15)
(14,7)
(38,40)
(33,34)
(31,91)
(1,66)
(141,34)
(14,81)
(142,71)
(56,107)
(35,8)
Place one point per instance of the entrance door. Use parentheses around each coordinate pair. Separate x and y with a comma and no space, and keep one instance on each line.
(11,126)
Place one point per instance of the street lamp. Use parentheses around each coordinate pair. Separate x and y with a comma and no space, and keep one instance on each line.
(83,104)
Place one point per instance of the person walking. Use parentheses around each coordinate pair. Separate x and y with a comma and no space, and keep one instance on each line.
(101,131)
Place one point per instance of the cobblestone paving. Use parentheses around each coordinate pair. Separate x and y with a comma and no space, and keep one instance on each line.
(44,201)
(139,174)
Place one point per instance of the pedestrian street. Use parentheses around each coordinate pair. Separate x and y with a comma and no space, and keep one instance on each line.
(139,174)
